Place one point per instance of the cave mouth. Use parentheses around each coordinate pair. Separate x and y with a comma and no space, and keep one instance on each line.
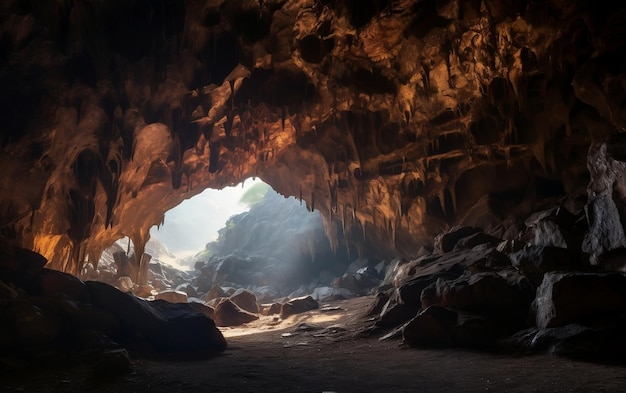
(247,245)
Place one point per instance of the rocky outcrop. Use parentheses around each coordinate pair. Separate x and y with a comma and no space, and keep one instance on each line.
(538,296)
(298,306)
(227,313)
(47,314)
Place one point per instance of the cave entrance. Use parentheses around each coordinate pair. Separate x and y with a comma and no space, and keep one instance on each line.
(250,245)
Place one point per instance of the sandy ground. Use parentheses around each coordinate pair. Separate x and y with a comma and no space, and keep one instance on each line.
(277,356)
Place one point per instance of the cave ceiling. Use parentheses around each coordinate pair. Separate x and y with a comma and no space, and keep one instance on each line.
(394,119)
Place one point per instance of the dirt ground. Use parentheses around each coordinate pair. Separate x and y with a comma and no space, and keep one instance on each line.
(279,356)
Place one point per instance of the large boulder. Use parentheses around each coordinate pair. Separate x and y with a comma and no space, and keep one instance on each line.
(434,326)
(298,306)
(556,227)
(246,300)
(166,326)
(485,294)
(58,283)
(534,261)
(437,327)
(172,296)
(568,297)
(185,329)
(328,294)
(394,314)
(446,242)
(228,313)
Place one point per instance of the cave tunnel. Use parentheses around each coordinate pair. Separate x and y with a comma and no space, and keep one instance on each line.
(446,213)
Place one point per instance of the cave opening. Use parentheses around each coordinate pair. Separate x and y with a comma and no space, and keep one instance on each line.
(241,242)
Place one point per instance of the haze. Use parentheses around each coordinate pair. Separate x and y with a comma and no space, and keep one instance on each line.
(195,222)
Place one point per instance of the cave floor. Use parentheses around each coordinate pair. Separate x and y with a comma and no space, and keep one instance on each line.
(271,357)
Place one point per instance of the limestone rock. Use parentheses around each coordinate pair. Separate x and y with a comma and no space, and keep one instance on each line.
(328,294)
(166,326)
(298,306)
(216,291)
(273,309)
(446,242)
(394,314)
(376,306)
(203,309)
(434,326)
(228,313)
(534,261)
(476,239)
(188,289)
(564,298)
(507,299)
(172,296)
(52,283)
(246,300)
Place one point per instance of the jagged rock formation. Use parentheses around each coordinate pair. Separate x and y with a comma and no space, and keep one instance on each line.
(396,119)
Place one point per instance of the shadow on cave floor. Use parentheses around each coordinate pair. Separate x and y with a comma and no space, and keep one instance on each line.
(319,352)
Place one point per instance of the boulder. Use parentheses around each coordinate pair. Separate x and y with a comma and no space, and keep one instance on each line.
(298,305)
(328,294)
(606,231)
(216,291)
(534,261)
(376,306)
(74,316)
(228,313)
(613,260)
(54,283)
(604,343)
(434,326)
(486,294)
(394,314)
(355,282)
(246,300)
(203,309)
(446,242)
(166,326)
(185,329)
(273,309)
(476,239)
(569,297)
(411,292)
(215,302)
(557,228)
(188,289)
(172,296)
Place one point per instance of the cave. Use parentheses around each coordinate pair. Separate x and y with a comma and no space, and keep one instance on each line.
(465,161)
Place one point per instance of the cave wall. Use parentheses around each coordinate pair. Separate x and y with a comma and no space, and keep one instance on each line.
(394,119)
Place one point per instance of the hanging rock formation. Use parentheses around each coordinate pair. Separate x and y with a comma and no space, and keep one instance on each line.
(395,119)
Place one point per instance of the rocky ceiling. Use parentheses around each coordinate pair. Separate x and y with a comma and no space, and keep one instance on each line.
(394,119)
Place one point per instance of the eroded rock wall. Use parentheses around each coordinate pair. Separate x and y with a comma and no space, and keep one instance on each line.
(395,118)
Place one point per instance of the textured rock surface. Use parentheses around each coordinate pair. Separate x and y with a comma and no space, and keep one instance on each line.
(395,120)
(565,298)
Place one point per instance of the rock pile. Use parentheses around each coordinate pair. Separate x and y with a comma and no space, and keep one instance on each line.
(477,291)
(45,314)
